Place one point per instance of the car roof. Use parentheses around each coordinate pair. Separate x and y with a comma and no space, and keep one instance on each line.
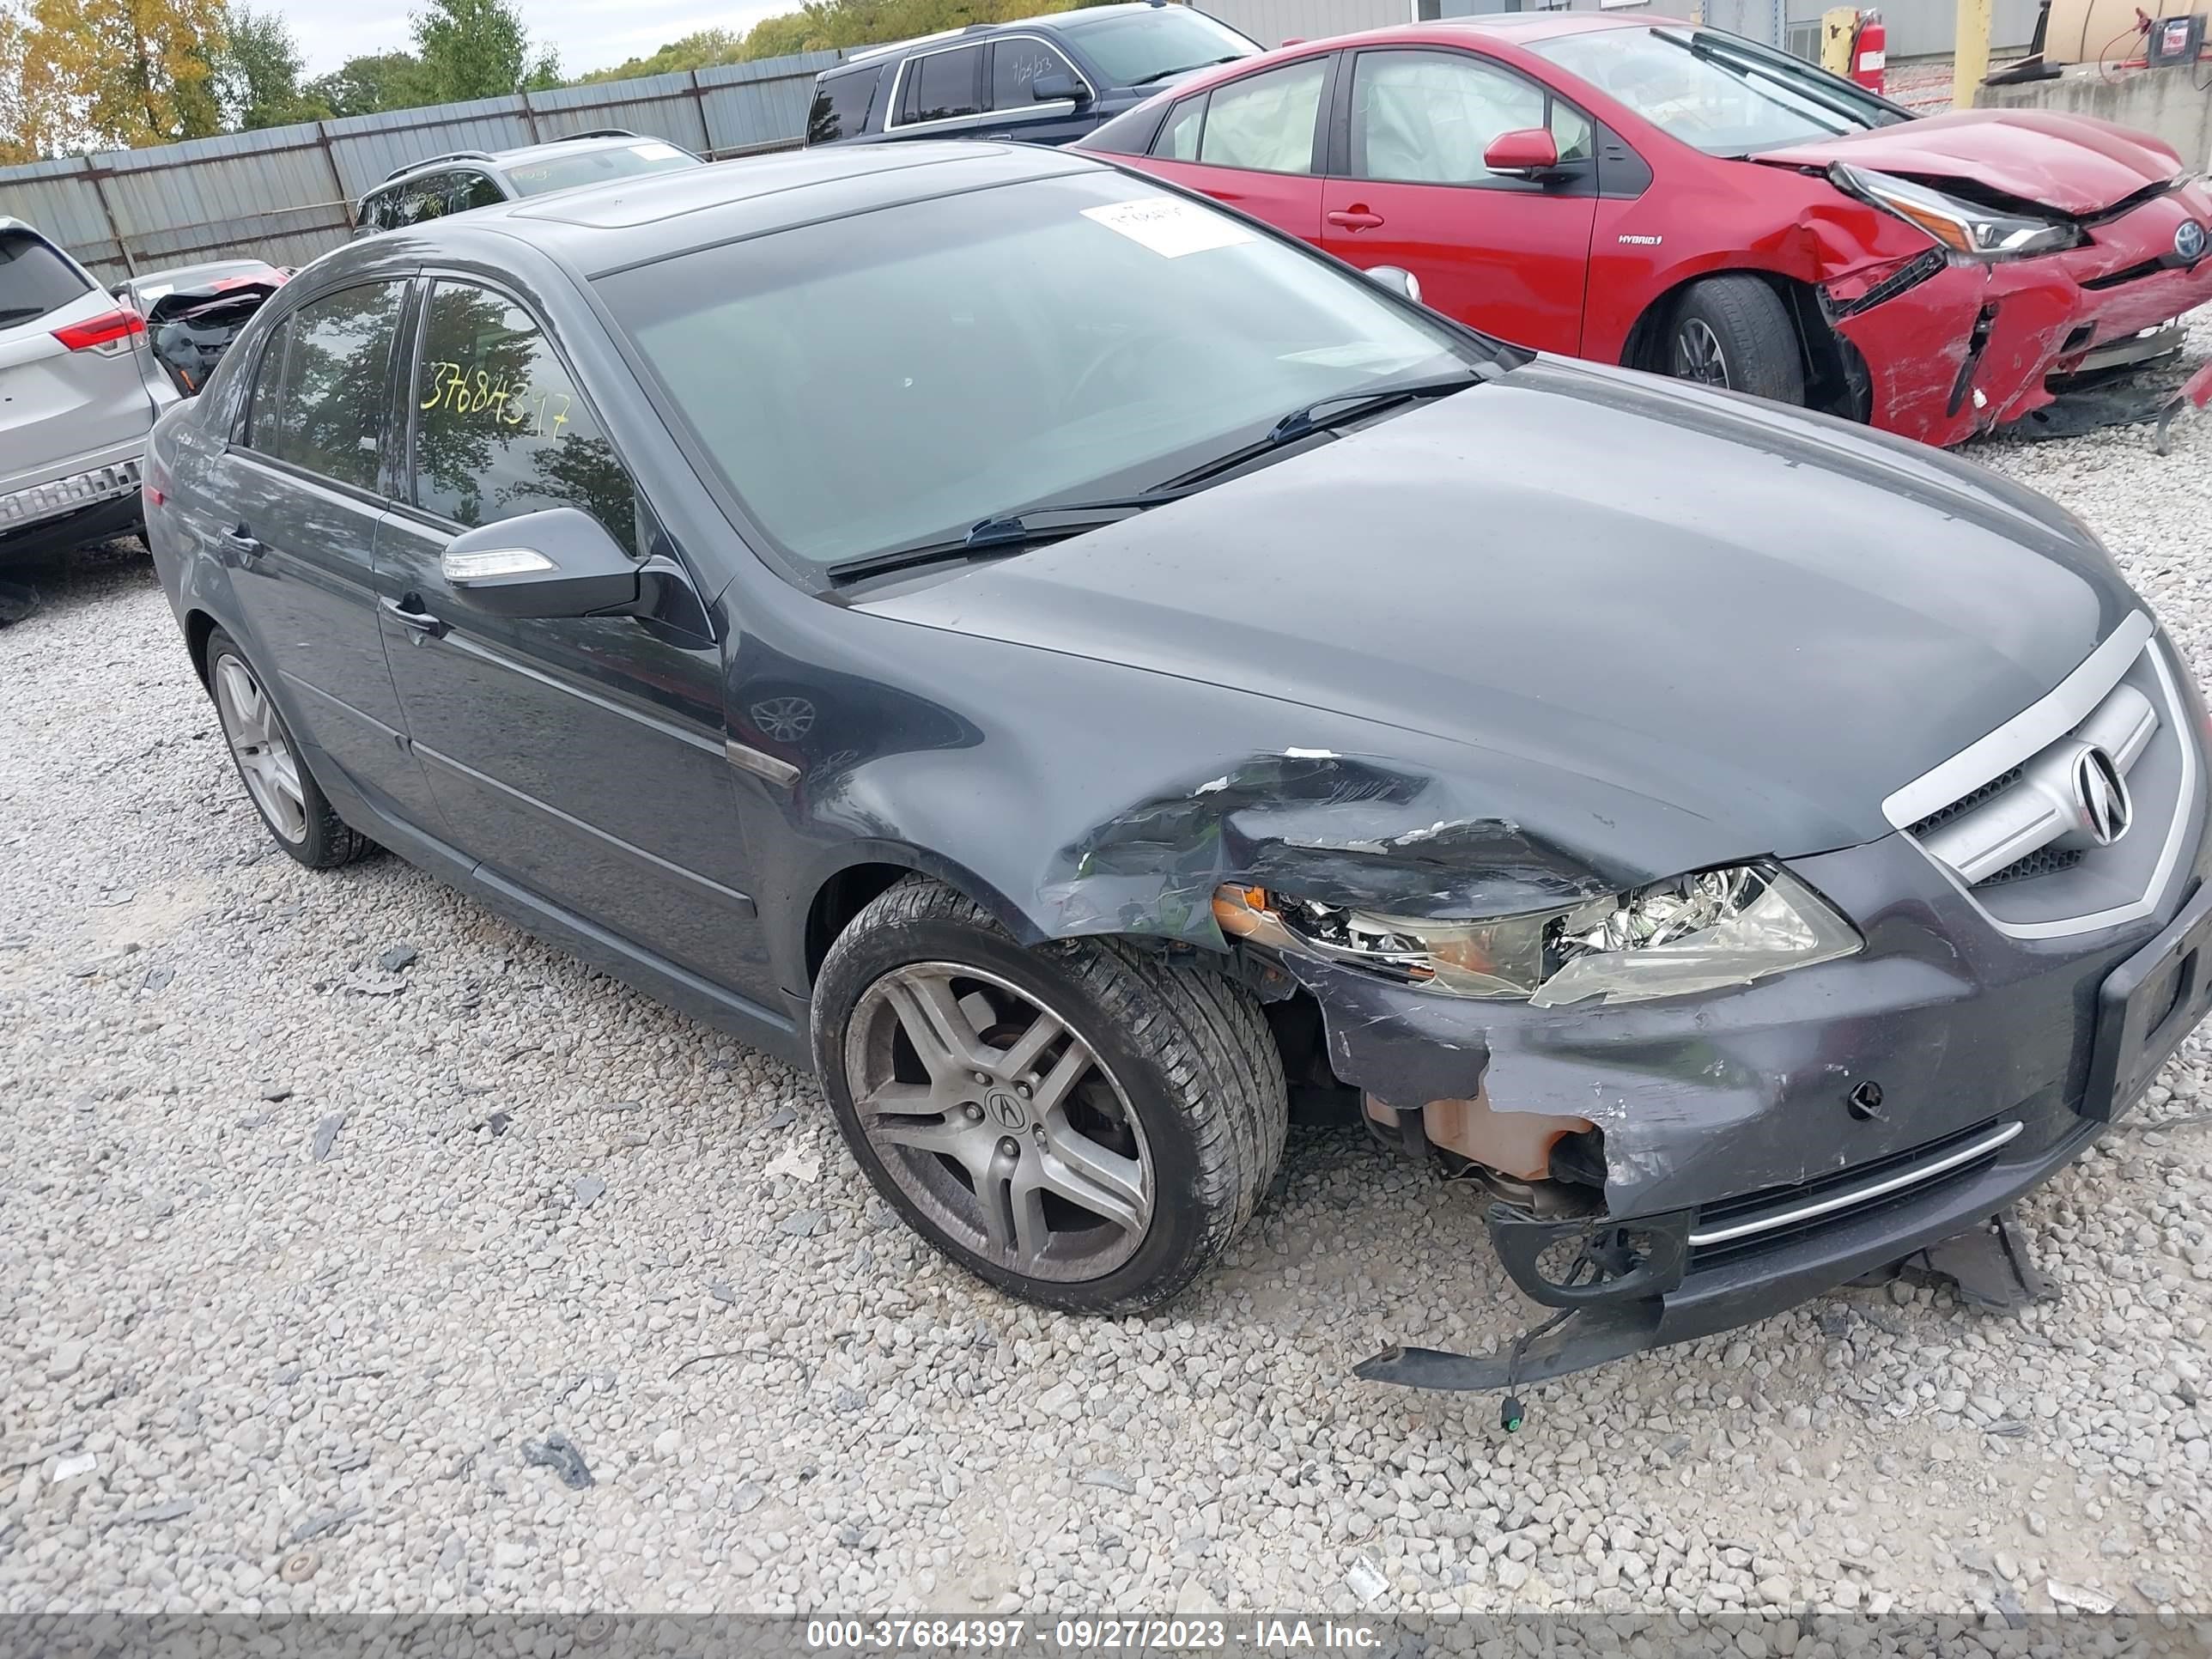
(600,228)
(176,276)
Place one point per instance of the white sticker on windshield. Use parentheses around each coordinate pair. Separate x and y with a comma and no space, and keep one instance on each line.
(652,152)
(1168,227)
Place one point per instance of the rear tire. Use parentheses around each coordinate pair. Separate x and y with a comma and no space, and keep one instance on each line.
(1734,332)
(1109,1203)
(292,806)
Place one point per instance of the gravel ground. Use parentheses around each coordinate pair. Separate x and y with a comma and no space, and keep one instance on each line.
(302,1254)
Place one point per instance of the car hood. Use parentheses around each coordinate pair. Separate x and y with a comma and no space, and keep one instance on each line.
(1705,605)
(2073,164)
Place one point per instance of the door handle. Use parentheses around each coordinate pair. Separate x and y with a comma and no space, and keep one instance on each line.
(421,624)
(1004,137)
(247,545)
(1354,219)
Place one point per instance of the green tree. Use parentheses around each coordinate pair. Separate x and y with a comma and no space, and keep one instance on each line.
(258,72)
(372,84)
(479,49)
(112,73)
(694,52)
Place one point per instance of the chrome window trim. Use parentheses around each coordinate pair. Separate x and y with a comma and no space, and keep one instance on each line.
(2028,733)
(1049,106)
(1858,1195)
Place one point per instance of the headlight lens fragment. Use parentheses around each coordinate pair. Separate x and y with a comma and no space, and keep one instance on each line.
(1696,932)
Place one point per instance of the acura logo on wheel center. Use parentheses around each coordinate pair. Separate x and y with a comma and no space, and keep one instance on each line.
(2102,795)
(1005,1108)
(2189,239)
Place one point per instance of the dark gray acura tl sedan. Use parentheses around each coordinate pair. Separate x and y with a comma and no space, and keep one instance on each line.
(1087,674)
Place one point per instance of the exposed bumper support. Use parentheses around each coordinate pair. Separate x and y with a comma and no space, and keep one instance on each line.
(1743,1288)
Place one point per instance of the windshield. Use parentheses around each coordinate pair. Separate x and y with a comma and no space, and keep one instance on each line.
(595,166)
(1137,49)
(896,377)
(1712,91)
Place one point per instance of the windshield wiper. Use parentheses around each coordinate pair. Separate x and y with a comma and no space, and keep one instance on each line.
(1147,79)
(1343,406)
(1749,69)
(1007,533)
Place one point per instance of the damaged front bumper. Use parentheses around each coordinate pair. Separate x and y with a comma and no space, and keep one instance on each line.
(1747,1164)
(1953,347)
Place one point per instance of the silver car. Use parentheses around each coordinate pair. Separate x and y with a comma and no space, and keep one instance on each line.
(78,393)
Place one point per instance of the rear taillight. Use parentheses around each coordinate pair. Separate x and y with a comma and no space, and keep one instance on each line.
(108,334)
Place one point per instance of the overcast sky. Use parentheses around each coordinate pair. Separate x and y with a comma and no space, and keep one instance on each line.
(589,34)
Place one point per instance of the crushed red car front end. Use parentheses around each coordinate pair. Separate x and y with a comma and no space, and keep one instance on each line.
(1952,347)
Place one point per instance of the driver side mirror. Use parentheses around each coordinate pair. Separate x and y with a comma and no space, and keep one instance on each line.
(1523,153)
(559,562)
(1058,84)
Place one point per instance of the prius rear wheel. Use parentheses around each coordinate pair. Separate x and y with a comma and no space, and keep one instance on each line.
(276,775)
(1085,1125)
(1734,332)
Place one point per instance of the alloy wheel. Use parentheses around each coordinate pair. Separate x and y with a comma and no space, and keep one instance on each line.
(999,1121)
(1697,354)
(257,738)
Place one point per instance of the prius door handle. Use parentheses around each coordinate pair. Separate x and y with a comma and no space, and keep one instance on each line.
(1354,219)
(419,622)
(246,544)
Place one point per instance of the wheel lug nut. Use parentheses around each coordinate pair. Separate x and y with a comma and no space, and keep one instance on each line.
(1011,1147)
(983,1076)
(975,1112)
(1023,1090)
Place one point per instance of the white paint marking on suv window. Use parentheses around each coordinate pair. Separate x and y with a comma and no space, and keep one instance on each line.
(652,152)
(1170,227)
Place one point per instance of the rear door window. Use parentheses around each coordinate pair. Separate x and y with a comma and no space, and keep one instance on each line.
(1016,62)
(335,384)
(943,85)
(841,105)
(1266,121)
(500,428)
(35,278)
(476,189)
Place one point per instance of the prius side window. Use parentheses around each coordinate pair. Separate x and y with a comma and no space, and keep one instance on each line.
(500,428)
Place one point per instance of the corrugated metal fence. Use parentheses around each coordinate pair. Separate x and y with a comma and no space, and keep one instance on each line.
(286,194)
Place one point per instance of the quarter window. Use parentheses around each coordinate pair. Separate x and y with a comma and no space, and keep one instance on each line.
(1178,139)
(1017,61)
(500,428)
(332,363)
(942,85)
(1265,123)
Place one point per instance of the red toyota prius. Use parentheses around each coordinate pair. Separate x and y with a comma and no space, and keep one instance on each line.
(1675,198)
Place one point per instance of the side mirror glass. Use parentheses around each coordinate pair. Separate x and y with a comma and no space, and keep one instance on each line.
(1397,279)
(559,562)
(1523,153)
(1056,85)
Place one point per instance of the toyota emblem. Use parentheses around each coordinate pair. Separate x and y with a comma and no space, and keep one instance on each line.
(2189,239)
(2101,795)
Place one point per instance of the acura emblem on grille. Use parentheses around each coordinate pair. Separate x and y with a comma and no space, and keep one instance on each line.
(2189,239)
(2102,795)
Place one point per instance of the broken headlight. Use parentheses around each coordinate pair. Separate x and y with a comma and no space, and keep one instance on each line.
(1977,232)
(1696,932)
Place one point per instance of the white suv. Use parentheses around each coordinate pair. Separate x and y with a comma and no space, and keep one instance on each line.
(78,393)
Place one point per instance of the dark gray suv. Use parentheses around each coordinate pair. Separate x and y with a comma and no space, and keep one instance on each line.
(1082,671)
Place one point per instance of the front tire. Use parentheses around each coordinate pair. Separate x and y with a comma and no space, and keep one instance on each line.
(1085,1125)
(292,806)
(1734,332)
